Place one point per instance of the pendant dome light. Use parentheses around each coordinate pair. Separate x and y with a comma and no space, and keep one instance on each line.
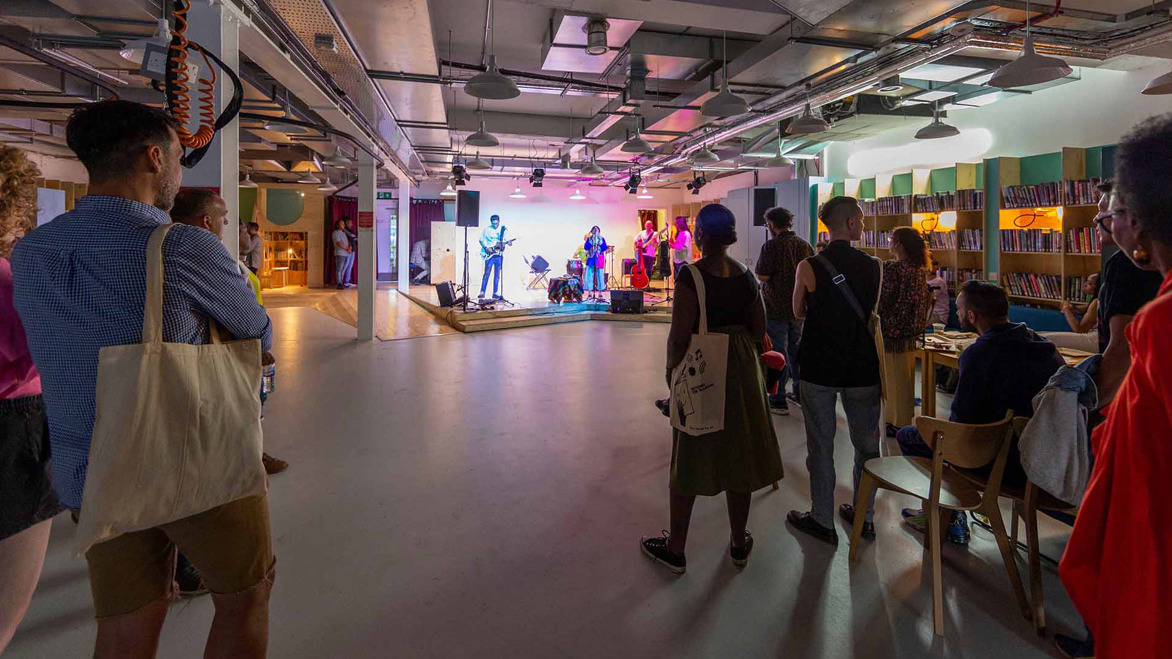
(807,123)
(644,194)
(338,159)
(937,129)
(327,186)
(725,103)
(309,178)
(478,163)
(517,194)
(492,84)
(779,160)
(704,156)
(592,169)
(481,137)
(1159,85)
(448,191)
(1029,68)
(637,144)
(577,196)
(248,182)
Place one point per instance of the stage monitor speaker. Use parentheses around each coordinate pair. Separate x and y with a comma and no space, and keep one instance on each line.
(626,301)
(539,264)
(763,200)
(468,208)
(447,293)
(628,266)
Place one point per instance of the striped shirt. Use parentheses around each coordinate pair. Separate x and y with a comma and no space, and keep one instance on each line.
(80,285)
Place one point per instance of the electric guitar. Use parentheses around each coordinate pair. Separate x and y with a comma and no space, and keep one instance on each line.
(487,253)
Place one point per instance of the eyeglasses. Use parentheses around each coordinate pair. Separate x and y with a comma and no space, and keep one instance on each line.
(1106,219)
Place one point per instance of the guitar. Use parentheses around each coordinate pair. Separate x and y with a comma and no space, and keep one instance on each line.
(639,277)
(487,253)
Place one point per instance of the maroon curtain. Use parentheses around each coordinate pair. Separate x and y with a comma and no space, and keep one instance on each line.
(339,208)
(423,213)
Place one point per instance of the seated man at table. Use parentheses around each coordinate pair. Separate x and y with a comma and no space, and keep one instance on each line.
(1002,370)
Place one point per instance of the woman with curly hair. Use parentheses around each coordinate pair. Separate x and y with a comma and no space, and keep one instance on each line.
(27,500)
(904,303)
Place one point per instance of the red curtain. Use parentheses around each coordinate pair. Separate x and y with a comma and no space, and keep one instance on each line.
(423,213)
(339,208)
(645,215)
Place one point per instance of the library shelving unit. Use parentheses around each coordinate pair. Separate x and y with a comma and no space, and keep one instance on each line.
(286,261)
(1046,238)
(951,215)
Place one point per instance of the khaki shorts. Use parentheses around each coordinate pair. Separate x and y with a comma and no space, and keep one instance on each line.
(231,546)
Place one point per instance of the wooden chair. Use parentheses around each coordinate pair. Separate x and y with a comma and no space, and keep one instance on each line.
(940,484)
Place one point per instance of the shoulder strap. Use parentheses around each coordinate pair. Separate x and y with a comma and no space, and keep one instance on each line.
(152,317)
(841,284)
(698,280)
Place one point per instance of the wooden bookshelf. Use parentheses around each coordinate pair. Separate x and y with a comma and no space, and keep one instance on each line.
(286,259)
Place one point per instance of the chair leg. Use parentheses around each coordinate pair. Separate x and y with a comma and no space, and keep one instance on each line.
(866,488)
(775,486)
(1013,524)
(934,537)
(1037,601)
(1007,554)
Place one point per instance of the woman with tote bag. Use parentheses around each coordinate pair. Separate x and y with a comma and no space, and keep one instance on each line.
(718,325)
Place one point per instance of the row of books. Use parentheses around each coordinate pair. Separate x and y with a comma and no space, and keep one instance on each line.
(970,239)
(883,239)
(1030,240)
(958,200)
(954,276)
(1029,284)
(1057,193)
(1074,289)
(1083,241)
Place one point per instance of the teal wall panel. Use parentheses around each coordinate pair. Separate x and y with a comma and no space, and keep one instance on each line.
(901,184)
(942,180)
(1042,168)
(283,207)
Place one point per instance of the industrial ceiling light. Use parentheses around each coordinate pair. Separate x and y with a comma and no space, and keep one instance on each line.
(478,163)
(248,182)
(309,178)
(595,30)
(133,50)
(779,160)
(517,194)
(448,191)
(1159,85)
(592,169)
(725,103)
(577,196)
(937,129)
(482,137)
(807,123)
(644,194)
(492,84)
(637,144)
(1029,68)
(705,155)
(285,127)
(327,186)
(890,85)
(338,159)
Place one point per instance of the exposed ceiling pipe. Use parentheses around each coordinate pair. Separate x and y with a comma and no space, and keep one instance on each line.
(487,30)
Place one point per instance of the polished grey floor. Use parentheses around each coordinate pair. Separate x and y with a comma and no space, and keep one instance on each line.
(483,495)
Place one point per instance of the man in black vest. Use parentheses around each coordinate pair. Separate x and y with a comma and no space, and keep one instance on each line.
(836,293)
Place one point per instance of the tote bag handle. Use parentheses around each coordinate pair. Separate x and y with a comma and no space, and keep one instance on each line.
(698,279)
(152,315)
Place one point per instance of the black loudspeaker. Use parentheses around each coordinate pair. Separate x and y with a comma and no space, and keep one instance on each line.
(629,266)
(468,208)
(539,264)
(763,200)
(447,293)
(626,301)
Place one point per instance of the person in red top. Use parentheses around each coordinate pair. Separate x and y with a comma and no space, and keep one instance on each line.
(1116,565)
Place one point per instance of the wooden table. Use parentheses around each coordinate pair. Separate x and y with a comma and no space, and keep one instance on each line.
(931,357)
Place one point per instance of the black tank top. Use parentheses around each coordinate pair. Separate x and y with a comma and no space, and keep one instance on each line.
(836,348)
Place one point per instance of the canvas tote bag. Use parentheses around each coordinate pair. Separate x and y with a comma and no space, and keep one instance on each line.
(698,382)
(177,429)
(873,323)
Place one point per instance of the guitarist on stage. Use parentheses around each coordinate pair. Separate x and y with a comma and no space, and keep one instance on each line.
(646,244)
(492,248)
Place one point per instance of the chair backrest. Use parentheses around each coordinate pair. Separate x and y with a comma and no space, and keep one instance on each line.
(965,445)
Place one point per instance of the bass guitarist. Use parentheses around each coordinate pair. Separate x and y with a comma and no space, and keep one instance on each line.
(492,249)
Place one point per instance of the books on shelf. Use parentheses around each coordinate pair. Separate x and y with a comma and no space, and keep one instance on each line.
(966,239)
(893,205)
(955,277)
(868,206)
(823,237)
(1074,289)
(1083,241)
(971,239)
(868,239)
(1029,284)
(941,239)
(1030,240)
(1056,193)
(884,239)
(958,200)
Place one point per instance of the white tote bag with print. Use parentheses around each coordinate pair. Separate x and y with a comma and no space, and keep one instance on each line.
(698,382)
(177,430)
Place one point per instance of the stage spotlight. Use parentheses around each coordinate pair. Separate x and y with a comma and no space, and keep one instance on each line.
(632,184)
(697,183)
(460,175)
(537,177)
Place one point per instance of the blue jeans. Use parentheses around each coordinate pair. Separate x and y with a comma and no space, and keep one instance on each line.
(493,265)
(595,278)
(912,444)
(785,335)
(819,412)
(341,268)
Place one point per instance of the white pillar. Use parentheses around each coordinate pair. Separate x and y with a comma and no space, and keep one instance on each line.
(404,231)
(216,28)
(367,266)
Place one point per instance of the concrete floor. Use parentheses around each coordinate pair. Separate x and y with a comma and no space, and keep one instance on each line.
(483,495)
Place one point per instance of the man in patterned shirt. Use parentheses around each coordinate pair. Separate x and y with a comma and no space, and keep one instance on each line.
(80,285)
(779,260)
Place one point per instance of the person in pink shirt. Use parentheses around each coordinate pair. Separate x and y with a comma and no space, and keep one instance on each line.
(28,502)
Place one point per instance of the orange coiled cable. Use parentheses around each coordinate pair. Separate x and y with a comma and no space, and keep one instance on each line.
(181,101)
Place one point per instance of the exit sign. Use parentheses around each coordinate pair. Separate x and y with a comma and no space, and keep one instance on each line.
(385,195)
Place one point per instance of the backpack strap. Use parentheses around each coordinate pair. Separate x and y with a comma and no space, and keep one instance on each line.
(843,286)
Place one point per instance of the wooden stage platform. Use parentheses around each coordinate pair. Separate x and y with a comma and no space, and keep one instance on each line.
(533,309)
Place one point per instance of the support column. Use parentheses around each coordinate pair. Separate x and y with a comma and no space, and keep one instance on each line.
(216,28)
(367,266)
(404,232)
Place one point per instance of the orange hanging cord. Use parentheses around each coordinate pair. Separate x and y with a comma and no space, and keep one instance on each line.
(181,100)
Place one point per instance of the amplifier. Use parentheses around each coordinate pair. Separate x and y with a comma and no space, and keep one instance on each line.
(626,301)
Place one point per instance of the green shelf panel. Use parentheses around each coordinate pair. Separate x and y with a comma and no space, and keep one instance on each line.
(839,189)
(942,180)
(901,184)
(1042,168)
(867,188)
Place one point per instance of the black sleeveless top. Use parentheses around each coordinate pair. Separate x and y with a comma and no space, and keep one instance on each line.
(729,300)
(836,348)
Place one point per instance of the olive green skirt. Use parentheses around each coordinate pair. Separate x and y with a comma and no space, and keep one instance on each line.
(744,456)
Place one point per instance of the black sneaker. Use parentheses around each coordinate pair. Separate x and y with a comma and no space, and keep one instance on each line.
(189,582)
(779,407)
(656,550)
(892,430)
(847,512)
(805,523)
(740,555)
(1074,648)
(793,398)
(662,406)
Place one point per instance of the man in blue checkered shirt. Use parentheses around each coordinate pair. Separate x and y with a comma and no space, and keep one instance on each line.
(80,285)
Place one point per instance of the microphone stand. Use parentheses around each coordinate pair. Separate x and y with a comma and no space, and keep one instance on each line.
(502,299)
